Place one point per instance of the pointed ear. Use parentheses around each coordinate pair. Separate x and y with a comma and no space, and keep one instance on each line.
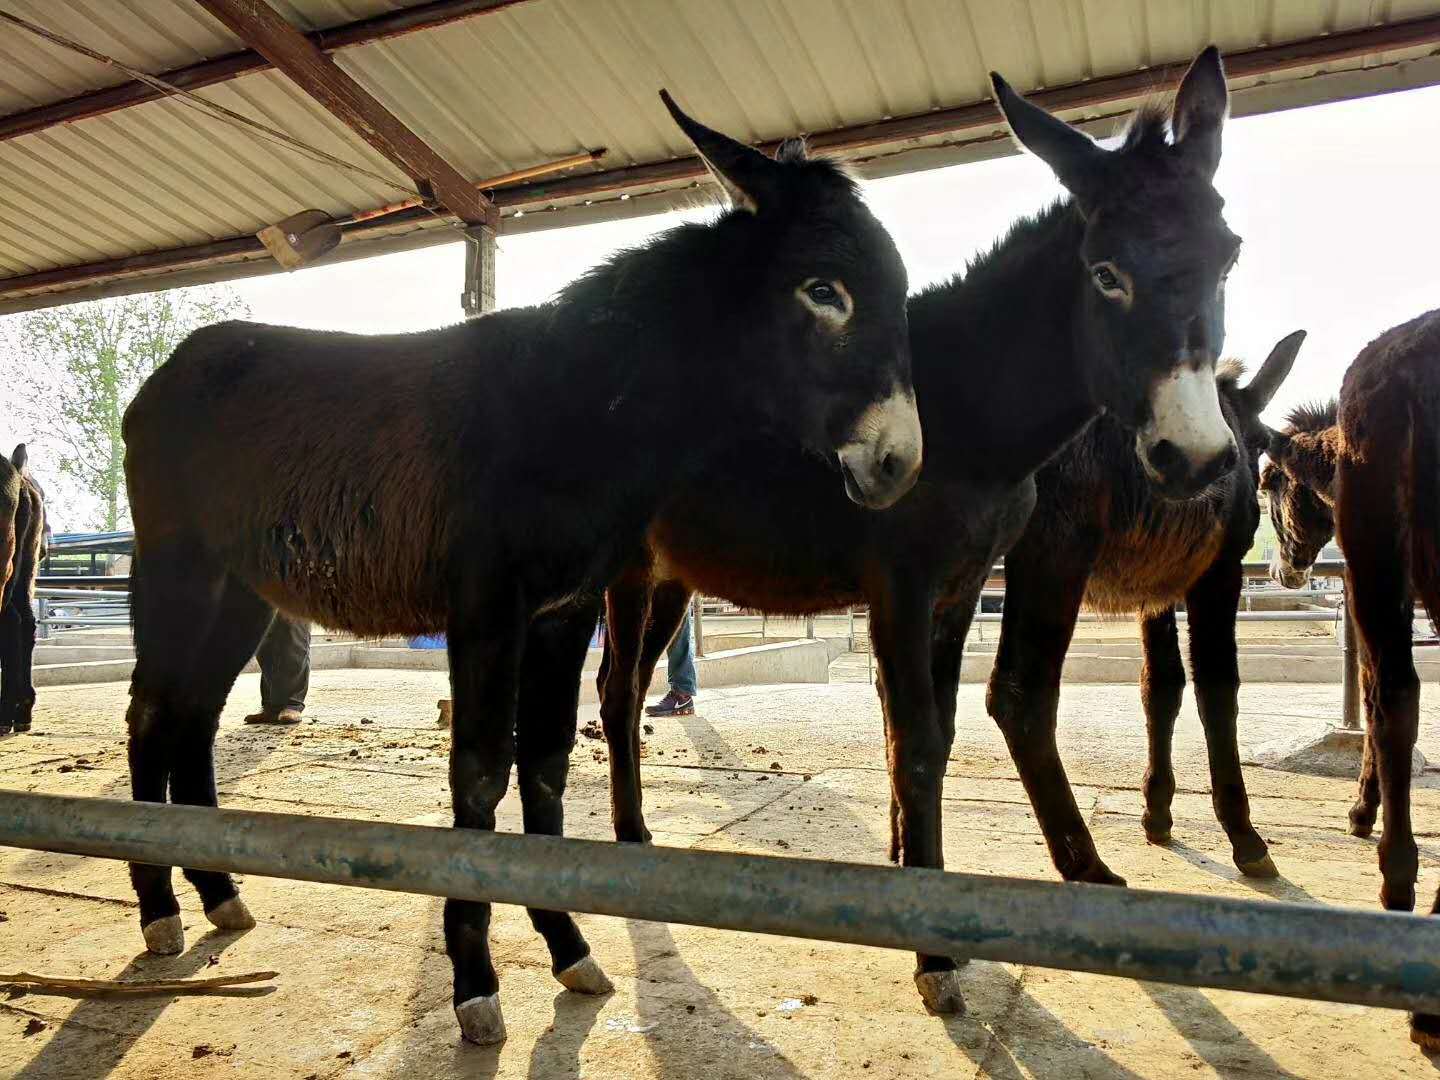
(19,457)
(1073,156)
(1201,105)
(1272,373)
(749,178)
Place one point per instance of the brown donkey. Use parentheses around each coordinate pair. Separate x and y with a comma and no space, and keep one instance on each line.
(22,547)
(1367,471)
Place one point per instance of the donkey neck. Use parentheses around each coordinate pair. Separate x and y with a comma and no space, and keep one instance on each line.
(1000,377)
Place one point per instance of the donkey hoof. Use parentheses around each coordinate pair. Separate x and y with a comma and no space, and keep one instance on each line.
(940,990)
(231,915)
(165,937)
(1263,867)
(480,1020)
(1425,1032)
(1159,837)
(1361,826)
(585,977)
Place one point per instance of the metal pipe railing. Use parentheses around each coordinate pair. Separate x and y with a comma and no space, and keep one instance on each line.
(1361,957)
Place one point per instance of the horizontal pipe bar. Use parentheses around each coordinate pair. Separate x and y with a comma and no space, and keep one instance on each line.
(1331,954)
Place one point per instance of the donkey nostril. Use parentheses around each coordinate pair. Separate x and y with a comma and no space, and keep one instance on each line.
(890,465)
(1165,457)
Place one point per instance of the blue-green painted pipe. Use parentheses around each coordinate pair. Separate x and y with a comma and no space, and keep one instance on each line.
(1333,954)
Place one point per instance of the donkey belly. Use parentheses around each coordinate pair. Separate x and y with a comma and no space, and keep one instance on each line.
(1140,573)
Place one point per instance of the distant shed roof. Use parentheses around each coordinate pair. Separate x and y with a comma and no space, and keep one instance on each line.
(104,191)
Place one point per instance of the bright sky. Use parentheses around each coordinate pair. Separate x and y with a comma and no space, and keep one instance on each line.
(1336,205)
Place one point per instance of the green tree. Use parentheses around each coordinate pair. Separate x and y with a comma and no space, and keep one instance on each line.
(83,363)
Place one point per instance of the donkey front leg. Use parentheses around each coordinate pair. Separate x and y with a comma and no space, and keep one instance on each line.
(900,627)
(1212,603)
(545,734)
(485,644)
(1042,603)
(1162,687)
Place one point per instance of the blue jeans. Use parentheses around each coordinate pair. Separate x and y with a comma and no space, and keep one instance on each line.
(680,659)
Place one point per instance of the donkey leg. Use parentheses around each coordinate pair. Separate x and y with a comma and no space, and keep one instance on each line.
(1212,602)
(1367,799)
(1042,603)
(1376,540)
(238,630)
(1162,686)
(627,612)
(9,667)
(901,615)
(544,736)
(24,656)
(486,642)
(171,614)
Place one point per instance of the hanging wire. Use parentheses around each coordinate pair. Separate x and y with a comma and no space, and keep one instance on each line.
(217,112)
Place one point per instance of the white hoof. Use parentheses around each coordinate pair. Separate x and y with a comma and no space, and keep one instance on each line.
(585,977)
(231,915)
(940,990)
(480,1020)
(165,936)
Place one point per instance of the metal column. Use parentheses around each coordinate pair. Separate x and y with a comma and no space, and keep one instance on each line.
(479,295)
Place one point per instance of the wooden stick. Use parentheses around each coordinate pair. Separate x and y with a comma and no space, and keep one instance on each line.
(135,986)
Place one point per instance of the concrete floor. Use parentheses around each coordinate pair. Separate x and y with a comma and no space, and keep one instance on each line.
(363,984)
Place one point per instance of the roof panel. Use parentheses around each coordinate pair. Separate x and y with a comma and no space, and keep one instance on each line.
(542,79)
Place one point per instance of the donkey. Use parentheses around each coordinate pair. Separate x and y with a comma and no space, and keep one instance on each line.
(22,547)
(1366,470)
(1099,535)
(439,481)
(1128,273)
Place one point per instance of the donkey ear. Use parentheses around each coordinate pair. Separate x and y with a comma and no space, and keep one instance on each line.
(19,457)
(1278,447)
(1073,156)
(1199,114)
(748,176)
(1272,373)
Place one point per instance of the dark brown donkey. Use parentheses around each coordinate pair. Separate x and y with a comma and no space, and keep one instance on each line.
(446,481)
(1076,310)
(1366,470)
(1100,536)
(22,547)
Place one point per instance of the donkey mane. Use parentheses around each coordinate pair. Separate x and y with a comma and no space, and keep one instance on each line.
(1228,373)
(1313,416)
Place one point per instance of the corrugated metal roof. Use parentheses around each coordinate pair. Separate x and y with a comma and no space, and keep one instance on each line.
(543,79)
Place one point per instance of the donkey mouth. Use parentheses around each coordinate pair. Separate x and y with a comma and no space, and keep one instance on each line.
(852,487)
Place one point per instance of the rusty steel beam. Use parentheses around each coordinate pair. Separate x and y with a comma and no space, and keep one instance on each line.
(261,27)
(976,117)
(221,69)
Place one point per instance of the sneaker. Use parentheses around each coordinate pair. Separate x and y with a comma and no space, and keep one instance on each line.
(274,716)
(672,704)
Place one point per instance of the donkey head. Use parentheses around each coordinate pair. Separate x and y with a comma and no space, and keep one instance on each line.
(1154,258)
(1299,481)
(818,295)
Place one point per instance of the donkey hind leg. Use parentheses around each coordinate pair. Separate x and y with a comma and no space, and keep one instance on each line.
(174,616)
(1024,697)
(1212,603)
(1377,550)
(10,653)
(238,631)
(1367,798)
(1162,688)
(901,617)
(486,642)
(544,736)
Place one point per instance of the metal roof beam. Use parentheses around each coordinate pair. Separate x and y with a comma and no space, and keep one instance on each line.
(261,27)
(224,68)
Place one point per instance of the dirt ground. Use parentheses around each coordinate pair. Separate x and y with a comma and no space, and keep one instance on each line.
(363,983)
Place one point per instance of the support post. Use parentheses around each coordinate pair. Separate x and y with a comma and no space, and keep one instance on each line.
(1350,675)
(697,619)
(479,295)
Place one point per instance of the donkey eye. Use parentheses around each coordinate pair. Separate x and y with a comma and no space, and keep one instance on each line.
(822,292)
(1106,279)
